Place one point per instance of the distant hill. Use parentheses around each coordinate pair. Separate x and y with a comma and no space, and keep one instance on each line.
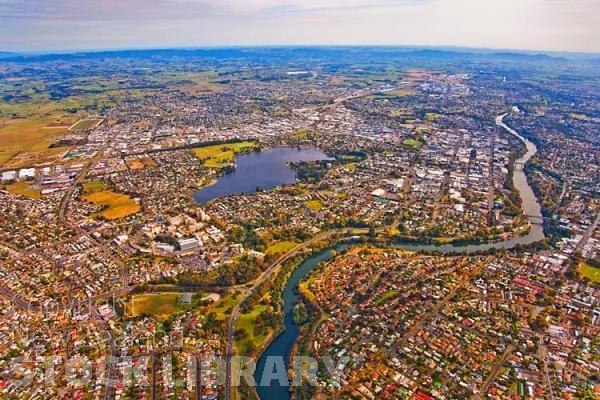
(308,52)
(305,55)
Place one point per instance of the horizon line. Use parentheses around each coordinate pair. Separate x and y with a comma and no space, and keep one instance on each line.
(455,48)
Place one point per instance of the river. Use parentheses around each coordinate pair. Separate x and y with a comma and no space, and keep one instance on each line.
(283,344)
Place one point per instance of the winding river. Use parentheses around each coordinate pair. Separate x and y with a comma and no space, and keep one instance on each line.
(283,344)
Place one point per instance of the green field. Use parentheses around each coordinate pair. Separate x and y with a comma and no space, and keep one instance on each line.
(159,305)
(94,186)
(385,297)
(400,92)
(224,306)
(590,272)
(220,155)
(432,117)
(412,143)
(252,340)
(280,248)
(117,205)
(315,205)
(31,137)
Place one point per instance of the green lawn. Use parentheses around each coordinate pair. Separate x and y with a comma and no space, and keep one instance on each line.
(280,247)
(432,117)
(252,341)
(218,156)
(224,306)
(412,143)
(315,205)
(590,272)
(94,186)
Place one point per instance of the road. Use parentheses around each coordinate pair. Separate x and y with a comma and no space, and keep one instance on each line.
(262,279)
(544,354)
(64,202)
(587,235)
(494,373)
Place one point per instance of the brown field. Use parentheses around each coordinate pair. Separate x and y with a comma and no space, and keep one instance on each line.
(143,163)
(413,75)
(85,124)
(201,87)
(24,189)
(117,205)
(404,92)
(30,138)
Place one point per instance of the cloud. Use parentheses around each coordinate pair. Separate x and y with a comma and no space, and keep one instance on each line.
(526,24)
(152,9)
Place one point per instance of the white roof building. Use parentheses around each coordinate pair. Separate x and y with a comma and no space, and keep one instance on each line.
(9,176)
(27,173)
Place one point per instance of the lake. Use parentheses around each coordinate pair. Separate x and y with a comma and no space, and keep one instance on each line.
(265,170)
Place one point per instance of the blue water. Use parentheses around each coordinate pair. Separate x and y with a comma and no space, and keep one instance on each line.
(264,170)
(282,345)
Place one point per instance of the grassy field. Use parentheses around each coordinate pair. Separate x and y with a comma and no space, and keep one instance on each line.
(315,205)
(159,305)
(85,124)
(94,186)
(412,143)
(385,297)
(401,92)
(590,272)
(33,136)
(280,248)
(219,155)
(432,117)
(23,188)
(224,306)
(117,205)
(251,341)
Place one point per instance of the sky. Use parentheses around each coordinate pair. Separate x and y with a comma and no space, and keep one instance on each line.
(52,25)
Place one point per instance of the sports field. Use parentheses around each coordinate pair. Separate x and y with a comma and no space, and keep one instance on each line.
(159,305)
(590,272)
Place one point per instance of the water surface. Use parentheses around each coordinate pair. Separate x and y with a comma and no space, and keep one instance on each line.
(264,170)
